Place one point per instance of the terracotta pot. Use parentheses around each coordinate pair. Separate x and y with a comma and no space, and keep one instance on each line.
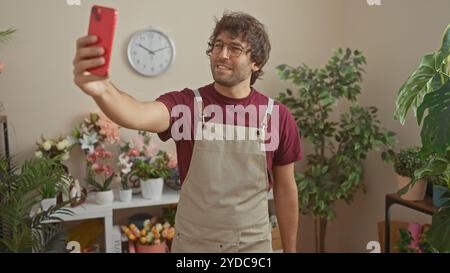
(416,193)
(162,248)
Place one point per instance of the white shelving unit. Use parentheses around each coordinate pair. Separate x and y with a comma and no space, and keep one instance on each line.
(92,210)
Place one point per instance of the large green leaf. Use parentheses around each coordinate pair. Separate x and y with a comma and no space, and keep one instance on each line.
(415,87)
(440,229)
(435,133)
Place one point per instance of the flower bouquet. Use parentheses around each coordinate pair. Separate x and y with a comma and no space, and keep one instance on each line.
(57,148)
(153,237)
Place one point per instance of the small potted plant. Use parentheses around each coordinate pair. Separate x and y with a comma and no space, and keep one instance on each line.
(101,170)
(149,165)
(154,237)
(125,191)
(406,162)
(57,150)
(151,173)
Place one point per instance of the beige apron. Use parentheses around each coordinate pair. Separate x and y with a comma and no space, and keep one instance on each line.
(223,203)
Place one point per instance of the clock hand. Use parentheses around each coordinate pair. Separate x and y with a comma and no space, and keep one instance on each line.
(160,49)
(149,51)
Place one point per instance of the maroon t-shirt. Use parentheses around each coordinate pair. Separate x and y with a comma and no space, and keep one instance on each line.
(287,151)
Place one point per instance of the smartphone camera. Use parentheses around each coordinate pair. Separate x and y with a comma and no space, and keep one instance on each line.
(97,13)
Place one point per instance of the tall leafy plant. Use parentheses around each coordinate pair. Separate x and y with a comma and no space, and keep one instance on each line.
(335,168)
(20,229)
(427,93)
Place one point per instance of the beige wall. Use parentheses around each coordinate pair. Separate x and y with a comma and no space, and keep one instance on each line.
(40,97)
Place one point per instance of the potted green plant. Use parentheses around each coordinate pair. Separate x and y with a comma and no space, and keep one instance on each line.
(334,170)
(406,162)
(22,227)
(427,92)
(151,173)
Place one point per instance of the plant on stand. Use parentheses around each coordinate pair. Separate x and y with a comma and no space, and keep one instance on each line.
(406,162)
(335,169)
(427,92)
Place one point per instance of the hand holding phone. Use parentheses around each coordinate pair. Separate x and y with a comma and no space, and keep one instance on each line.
(102,24)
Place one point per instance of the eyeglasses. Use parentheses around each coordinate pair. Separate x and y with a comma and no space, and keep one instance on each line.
(232,50)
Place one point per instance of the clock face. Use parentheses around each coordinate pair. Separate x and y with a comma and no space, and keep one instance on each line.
(150,52)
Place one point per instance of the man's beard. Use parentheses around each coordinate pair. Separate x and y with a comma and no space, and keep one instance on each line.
(228,80)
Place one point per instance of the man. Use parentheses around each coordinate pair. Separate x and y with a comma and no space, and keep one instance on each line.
(223,200)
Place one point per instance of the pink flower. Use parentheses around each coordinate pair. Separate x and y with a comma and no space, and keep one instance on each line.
(138,142)
(133,152)
(108,154)
(98,168)
(157,242)
(172,162)
(107,169)
(108,128)
(99,152)
(151,150)
(91,157)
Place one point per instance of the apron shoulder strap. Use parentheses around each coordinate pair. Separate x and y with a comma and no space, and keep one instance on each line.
(199,101)
(267,114)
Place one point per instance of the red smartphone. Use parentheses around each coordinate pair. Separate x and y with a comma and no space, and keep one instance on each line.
(102,24)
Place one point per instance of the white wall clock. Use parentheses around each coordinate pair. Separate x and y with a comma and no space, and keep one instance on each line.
(151,52)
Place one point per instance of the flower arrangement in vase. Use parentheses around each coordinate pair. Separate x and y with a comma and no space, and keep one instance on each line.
(152,238)
(145,164)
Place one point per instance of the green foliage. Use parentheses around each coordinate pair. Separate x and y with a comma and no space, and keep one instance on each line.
(104,186)
(427,90)
(19,193)
(169,214)
(407,161)
(156,167)
(423,246)
(334,170)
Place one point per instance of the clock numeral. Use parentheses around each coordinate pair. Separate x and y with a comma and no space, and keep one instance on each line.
(138,61)
(134,52)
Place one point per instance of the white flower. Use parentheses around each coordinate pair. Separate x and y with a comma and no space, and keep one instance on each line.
(88,141)
(38,154)
(62,145)
(125,163)
(159,227)
(65,156)
(47,145)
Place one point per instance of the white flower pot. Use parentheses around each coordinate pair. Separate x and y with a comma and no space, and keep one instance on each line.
(152,188)
(47,203)
(125,195)
(104,197)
